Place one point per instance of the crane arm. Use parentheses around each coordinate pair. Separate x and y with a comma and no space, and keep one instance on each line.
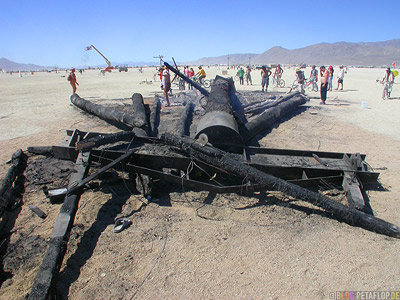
(93,47)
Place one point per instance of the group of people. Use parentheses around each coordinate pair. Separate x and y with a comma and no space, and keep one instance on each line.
(244,74)
(266,73)
(165,77)
(326,75)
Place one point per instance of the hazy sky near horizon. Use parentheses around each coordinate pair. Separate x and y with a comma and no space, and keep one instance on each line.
(56,33)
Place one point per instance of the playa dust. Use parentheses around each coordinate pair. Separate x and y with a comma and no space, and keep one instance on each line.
(200,245)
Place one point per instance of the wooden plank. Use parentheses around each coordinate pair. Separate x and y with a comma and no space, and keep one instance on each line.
(354,195)
(48,271)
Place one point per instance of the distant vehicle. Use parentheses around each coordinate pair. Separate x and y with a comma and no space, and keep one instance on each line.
(123,69)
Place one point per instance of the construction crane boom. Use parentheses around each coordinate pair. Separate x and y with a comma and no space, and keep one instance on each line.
(93,47)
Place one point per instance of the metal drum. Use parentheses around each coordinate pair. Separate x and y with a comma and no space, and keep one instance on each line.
(220,129)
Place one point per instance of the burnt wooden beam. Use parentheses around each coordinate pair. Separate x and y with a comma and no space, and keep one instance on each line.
(353,192)
(270,116)
(104,139)
(103,112)
(139,113)
(184,122)
(48,270)
(15,170)
(155,116)
(188,80)
(228,163)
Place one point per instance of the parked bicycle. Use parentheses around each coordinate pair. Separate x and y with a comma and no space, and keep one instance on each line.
(276,82)
(297,86)
(203,82)
(311,85)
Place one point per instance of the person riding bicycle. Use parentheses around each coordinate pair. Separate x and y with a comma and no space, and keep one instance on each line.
(388,77)
(314,77)
(201,74)
(388,80)
(278,73)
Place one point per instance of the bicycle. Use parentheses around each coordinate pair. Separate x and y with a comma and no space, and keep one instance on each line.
(203,82)
(297,86)
(387,88)
(311,85)
(276,82)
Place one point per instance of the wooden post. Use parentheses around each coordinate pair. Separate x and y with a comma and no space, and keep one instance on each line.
(13,172)
(155,116)
(188,80)
(139,113)
(48,271)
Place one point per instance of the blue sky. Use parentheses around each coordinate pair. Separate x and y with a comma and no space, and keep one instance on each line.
(56,33)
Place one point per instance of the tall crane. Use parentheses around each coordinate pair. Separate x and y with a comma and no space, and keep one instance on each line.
(109,67)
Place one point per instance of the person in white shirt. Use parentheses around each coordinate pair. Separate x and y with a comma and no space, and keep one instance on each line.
(340,78)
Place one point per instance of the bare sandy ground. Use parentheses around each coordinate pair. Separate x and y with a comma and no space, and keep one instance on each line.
(231,248)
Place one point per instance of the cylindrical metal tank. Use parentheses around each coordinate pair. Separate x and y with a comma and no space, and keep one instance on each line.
(219,128)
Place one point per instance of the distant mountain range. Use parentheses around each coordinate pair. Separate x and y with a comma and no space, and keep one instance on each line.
(340,53)
(354,54)
(9,65)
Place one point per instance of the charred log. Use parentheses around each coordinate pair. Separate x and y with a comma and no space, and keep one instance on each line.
(105,113)
(105,139)
(139,113)
(16,169)
(185,120)
(270,116)
(155,116)
(48,271)
(188,80)
(228,163)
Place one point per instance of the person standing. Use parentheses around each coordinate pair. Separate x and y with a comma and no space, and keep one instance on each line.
(166,83)
(240,73)
(248,76)
(72,80)
(340,78)
(265,73)
(314,78)
(324,83)
(330,79)
(300,79)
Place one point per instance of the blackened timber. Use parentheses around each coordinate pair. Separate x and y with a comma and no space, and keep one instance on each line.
(40,150)
(104,139)
(15,170)
(270,116)
(188,80)
(184,122)
(225,161)
(105,113)
(139,113)
(155,116)
(48,271)
(354,195)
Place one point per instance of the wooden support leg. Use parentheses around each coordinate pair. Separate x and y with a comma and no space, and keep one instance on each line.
(48,271)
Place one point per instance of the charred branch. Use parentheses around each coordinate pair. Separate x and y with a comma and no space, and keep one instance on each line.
(228,163)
